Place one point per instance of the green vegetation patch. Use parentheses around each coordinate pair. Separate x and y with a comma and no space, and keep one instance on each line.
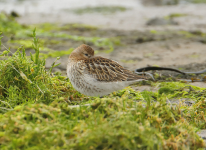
(155,35)
(198,1)
(175,15)
(8,24)
(21,35)
(78,27)
(24,79)
(97,41)
(53,53)
(177,89)
(113,122)
(100,9)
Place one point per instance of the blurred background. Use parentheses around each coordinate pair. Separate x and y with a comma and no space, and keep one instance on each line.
(136,33)
(116,14)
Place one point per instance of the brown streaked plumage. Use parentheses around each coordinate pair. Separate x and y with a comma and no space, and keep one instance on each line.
(97,76)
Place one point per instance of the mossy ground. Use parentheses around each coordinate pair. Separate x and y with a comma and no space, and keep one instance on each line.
(99,9)
(41,110)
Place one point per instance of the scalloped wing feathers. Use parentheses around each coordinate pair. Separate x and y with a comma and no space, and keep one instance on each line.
(106,70)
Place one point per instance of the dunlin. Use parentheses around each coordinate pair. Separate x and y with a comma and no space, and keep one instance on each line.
(97,76)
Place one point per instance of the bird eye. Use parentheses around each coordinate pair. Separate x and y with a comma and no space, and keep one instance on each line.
(86,55)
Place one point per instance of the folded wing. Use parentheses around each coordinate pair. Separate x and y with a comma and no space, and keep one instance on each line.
(106,70)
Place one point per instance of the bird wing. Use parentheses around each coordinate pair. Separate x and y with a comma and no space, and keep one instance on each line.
(106,70)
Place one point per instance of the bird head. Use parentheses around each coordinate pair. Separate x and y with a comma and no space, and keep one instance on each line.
(82,52)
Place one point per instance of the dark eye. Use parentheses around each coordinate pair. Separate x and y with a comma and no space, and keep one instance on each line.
(86,55)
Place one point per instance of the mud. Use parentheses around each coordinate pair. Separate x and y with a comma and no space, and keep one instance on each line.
(140,49)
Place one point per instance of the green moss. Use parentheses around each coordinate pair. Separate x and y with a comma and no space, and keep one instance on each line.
(106,123)
(78,27)
(47,27)
(97,41)
(127,61)
(47,31)
(198,1)
(166,90)
(180,68)
(147,55)
(194,56)
(24,79)
(153,31)
(25,43)
(186,34)
(177,90)
(164,35)
(175,15)
(172,85)
(8,25)
(57,53)
(100,9)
